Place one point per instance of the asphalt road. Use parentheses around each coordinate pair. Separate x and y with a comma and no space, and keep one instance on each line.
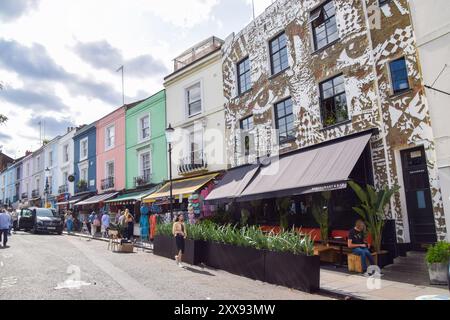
(51,267)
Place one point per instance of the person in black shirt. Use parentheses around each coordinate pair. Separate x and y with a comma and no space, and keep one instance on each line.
(356,242)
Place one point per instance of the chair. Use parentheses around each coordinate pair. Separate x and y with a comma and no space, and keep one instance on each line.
(355,263)
(114,240)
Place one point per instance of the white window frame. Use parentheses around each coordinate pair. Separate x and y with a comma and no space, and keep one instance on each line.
(140,163)
(107,163)
(64,153)
(186,99)
(85,140)
(113,144)
(50,158)
(140,128)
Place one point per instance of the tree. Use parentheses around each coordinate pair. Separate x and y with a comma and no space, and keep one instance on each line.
(321,214)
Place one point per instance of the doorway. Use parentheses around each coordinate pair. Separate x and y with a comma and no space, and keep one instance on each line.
(418,198)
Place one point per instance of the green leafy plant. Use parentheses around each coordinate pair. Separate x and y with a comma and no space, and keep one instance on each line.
(372,209)
(164,229)
(245,215)
(283,208)
(439,253)
(320,212)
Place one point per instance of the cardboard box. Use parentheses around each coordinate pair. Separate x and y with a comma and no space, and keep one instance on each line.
(126,248)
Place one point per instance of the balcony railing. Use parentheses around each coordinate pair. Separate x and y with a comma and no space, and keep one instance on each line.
(49,190)
(35,193)
(82,186)
(142,180)
(107,183)
(63,189)
(25,195)
(195,162)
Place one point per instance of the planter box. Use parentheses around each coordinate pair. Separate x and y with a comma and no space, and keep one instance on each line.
(293,271)
(438,273)
(166,247)
(194,252)
(246,262)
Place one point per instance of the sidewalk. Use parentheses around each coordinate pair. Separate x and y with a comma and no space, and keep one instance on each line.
(138,245)
(363,288)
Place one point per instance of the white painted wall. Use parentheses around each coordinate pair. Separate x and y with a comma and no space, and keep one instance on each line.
(431,19)
(208,72)
(65,166)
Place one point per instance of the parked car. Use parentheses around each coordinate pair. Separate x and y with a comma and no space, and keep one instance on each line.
(40,220)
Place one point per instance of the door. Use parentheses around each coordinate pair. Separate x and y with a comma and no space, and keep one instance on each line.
(26,219)
(418,197)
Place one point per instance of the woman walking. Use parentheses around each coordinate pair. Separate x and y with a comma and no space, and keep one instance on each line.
(180,234)
(69,222)
(129,222)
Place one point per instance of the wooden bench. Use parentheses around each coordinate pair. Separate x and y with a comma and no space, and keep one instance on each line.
(355,263)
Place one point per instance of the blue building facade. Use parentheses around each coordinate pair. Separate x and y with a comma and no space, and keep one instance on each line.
(85,159)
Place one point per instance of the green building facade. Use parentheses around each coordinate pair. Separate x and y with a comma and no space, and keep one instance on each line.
(146,147)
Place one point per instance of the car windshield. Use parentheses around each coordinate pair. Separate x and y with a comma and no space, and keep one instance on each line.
(45,213)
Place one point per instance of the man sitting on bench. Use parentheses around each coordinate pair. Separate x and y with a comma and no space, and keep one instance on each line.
(359,246)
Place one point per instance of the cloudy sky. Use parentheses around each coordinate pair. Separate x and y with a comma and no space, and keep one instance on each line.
(58,58)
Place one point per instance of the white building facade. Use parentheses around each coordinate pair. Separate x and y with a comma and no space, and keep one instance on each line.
(65,163)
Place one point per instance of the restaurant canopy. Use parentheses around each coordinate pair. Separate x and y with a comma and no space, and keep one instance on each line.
(325,167)
(182,187)
(131,198)
(72,200)
(97,199)
(232,184)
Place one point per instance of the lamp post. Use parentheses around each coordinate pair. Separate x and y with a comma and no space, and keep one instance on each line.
(47,174)
(169,137)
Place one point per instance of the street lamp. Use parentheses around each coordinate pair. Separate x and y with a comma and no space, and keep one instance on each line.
(170,138)
(47,174)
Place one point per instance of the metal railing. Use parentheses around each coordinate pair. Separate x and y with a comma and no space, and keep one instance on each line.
(142,180)
(63,189)
(107,183)
(196,161)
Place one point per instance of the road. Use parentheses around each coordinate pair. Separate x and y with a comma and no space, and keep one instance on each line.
(51,267)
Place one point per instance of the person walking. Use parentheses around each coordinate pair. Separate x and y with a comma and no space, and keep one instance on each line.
(5,223)
(69,222)
(180,234)
(105,224)
(92,221)
(129,223)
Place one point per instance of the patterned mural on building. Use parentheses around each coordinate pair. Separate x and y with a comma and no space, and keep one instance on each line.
(361,54)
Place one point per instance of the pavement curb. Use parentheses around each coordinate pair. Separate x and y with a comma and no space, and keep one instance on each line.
(136,245)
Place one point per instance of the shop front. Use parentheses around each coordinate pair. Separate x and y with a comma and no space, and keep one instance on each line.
(95,204)
(188,198)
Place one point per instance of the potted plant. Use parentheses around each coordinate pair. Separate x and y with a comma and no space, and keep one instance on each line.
(321,215)
(437,258)
(82,185)
(372,210)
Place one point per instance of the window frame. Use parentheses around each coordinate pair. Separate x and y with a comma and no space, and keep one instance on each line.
(277,119)
(113,144)
(84,140)
(64,153)
(391,78)
(188,104)
(245,74)
(141,172)
(272,54)
(323,100)
(140,127)
(107,163)
(320,10)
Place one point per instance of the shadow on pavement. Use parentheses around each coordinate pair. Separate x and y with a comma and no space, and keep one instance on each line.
(205,273)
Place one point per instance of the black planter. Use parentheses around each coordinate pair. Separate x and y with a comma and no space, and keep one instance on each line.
(194,252)
(164,246)
(293,271)
(246,262)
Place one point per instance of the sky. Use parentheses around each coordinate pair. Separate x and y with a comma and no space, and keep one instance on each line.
(58,58)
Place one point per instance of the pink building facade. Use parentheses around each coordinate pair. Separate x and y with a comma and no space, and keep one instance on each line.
(111,152)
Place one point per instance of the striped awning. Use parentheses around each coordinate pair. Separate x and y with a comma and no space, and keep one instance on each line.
(182,187)
(132,197)
(97,199)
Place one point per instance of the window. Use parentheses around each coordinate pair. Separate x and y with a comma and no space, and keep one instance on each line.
(399,75)
(28,169)
(383,2)
(84,149)
(38,163)
(195,146)
(284,118)
(278,54)
(84,174)
(244,81)
(50,159)
(247,124)
(194,100)
(66,153)
(333,101)
(65,178)
(38,184)
(144,128)
(110,137)
(145,164)
(110,169)
(324,25)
